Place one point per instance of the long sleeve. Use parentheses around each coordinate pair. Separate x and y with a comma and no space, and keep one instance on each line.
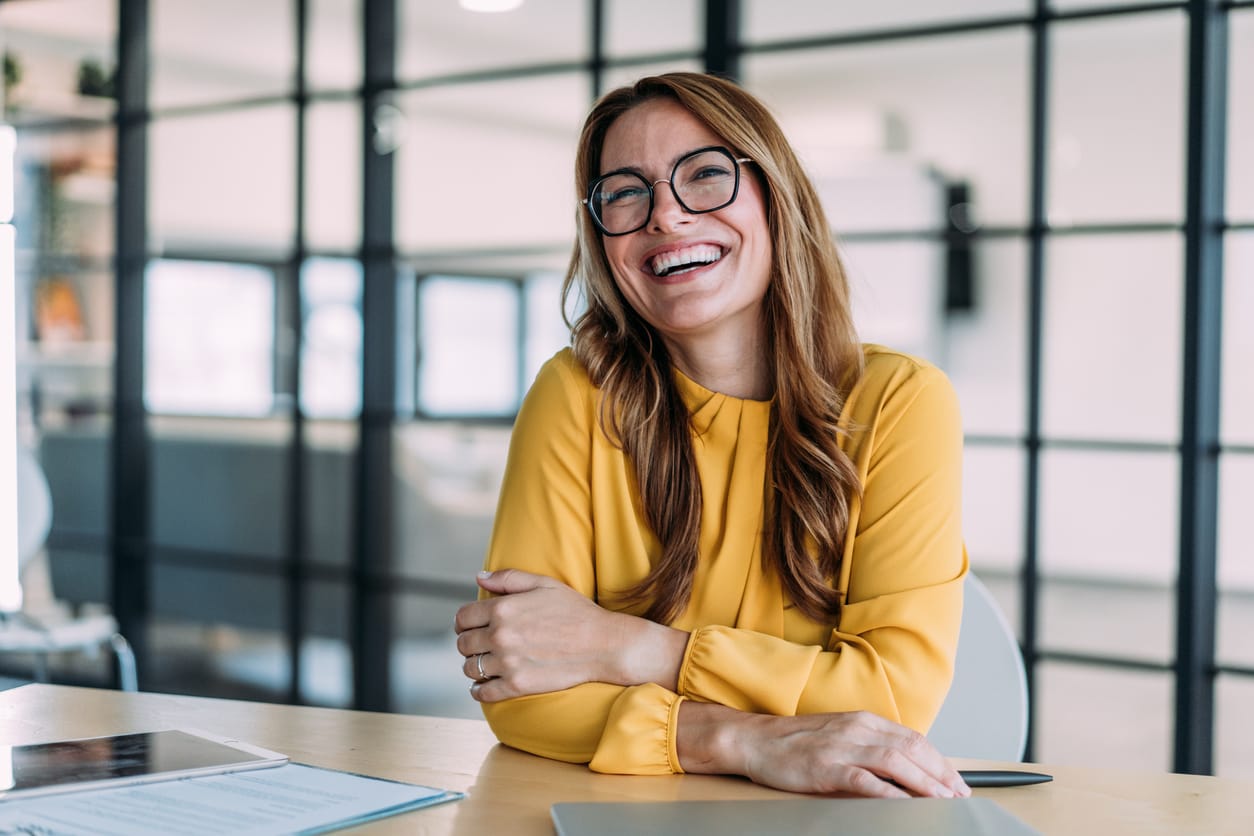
(545,524)
(892,651)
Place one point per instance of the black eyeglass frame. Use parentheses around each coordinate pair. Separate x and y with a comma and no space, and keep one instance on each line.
(670,181)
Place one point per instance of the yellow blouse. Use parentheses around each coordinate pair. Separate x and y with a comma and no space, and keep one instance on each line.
(569,509)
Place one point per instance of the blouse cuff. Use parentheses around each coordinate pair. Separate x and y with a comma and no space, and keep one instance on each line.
(640,734)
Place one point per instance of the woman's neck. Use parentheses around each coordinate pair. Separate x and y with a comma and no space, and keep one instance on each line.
(733,365)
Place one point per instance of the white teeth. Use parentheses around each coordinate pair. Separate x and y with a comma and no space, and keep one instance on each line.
(699,254)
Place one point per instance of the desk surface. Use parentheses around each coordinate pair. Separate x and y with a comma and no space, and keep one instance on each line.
(510,792)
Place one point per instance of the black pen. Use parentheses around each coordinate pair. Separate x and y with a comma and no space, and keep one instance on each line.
(1002,777)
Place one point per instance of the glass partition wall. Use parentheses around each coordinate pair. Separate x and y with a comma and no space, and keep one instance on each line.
(298,335)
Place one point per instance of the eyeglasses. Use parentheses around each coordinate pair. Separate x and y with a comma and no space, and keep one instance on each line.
(704,180)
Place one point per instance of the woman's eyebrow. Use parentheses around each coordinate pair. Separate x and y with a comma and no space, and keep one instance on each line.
(635,169)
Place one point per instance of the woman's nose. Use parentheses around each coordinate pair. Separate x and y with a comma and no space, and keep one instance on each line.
(667,211)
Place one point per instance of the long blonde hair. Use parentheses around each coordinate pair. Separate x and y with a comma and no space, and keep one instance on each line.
(815,358)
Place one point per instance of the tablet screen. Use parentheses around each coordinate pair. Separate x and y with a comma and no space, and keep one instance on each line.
(125,758)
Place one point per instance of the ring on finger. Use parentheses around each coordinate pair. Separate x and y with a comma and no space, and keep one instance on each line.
(483,677)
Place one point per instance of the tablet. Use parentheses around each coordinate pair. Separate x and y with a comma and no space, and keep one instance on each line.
(116,760)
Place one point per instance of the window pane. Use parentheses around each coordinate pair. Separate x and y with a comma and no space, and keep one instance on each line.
(333,176)
(547,332)
(216,659)
(1119,719)
(490,165)
(76,460)
(1236,569)
(443,38)
(60,57)
(956,105)
(1237,394)
(209,338)
(1099,153)
(1069,5)
(1234,734)
(223,178)
(620,76)
(766,20)
(984,348)
(235,467)
(993,484)
(330,365)
(64,196)
(1109,372)
(1240,182)
(897,293)
(329,492)
(448,478)
(1109,515)
(635,27)
(326,673)
(334,57)
(1129,620)
(66,371)
(61,246)
(468,346)
(201,53)
(426,669)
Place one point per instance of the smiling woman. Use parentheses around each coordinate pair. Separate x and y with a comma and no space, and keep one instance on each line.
(728,538)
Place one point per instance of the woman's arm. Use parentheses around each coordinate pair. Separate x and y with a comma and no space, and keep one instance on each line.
(892,653)
(544,525)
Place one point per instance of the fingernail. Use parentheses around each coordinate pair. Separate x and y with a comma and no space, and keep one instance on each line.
(485,574)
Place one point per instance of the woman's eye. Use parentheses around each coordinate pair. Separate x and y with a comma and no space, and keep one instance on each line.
(709,171)
(621,195)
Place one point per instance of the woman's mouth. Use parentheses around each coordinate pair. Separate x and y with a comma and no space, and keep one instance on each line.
(675,262)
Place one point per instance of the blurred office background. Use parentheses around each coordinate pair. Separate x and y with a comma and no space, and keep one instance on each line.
(271,336)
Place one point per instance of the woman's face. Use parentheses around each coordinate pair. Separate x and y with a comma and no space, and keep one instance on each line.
(689,276)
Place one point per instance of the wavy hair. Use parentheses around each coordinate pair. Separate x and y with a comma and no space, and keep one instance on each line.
(815,359)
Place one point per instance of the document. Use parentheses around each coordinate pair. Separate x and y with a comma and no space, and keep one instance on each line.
(292,799)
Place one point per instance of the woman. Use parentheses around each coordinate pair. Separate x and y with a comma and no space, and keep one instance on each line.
(728,538)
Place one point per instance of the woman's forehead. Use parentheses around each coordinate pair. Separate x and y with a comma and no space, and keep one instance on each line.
(654,135)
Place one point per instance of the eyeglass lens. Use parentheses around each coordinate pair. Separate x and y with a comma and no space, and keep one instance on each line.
(702,182)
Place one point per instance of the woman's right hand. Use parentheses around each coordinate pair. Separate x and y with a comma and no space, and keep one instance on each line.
(853,752)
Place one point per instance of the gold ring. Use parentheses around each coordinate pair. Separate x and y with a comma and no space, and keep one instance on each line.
(483,677)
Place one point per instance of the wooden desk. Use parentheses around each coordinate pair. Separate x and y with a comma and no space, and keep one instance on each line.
(510,792)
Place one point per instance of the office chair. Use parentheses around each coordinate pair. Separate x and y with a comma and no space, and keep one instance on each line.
(985,714)
(19,633)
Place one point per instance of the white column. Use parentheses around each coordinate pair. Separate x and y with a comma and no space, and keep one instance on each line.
(10,585)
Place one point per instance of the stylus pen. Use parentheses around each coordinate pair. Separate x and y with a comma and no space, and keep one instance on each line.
(1002,777)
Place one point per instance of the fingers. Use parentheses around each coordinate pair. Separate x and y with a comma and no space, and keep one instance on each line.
(895,765)
(908,759)
(472,616)
(510,581)
(865,783)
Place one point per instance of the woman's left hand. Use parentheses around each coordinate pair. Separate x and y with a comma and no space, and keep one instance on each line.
(539,635)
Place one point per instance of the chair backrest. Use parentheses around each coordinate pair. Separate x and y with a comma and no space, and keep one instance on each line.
(34,506)
(985,714)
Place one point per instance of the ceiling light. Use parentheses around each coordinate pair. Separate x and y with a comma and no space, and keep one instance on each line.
(490,5)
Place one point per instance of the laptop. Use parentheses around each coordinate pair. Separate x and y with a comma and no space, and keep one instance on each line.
(803,815)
